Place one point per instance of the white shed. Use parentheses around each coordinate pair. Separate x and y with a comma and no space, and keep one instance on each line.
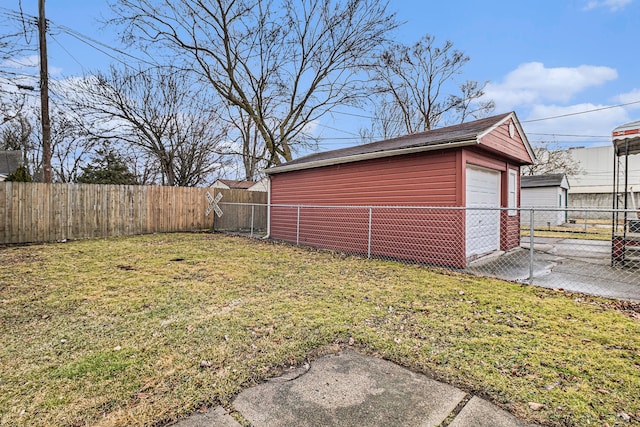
(261,186)
(544,192)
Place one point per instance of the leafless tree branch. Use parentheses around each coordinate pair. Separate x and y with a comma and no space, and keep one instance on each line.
(160,112)
(413,80)
(283,63)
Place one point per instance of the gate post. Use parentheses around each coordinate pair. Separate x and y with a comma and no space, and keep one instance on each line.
(298,228)
(531,222)
(369,238)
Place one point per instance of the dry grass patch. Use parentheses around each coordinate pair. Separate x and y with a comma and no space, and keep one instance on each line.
(144,330)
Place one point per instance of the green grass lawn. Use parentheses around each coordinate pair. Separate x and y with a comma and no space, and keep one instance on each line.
(144,330)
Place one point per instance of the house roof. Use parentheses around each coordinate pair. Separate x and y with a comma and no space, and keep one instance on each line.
(261,185)
(549,180)
(464,134)
(10,161)
(626,138)
(232,183)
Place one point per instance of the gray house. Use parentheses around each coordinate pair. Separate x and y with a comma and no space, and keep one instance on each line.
(9,162)
(544,192)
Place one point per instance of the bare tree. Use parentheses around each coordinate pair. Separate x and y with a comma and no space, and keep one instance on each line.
(284,63)
(143,165)
(70,145)
(14,93)
(17,134)
(11,108)
(247,144)
(388,122)
(161,112)
(17,33)
(69,149)
(549,160)
(107,166)
(417,83)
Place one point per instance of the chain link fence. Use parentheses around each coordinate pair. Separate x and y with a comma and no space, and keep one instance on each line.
(242,218)
(572,249)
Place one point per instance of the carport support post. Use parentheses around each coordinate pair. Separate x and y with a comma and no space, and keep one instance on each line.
(531,222)
(369,238)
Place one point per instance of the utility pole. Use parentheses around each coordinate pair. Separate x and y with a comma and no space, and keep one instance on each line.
(44,95)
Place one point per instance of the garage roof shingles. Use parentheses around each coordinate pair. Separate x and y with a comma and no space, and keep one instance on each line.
(464,133)
(548,180)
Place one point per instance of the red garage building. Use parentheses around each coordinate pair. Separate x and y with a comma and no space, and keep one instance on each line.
(440,197)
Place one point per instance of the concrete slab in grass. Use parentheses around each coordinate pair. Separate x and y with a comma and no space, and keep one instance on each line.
(349,389)
(480,413)
(214,417)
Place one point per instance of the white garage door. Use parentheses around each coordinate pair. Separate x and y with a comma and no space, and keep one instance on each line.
(482,226)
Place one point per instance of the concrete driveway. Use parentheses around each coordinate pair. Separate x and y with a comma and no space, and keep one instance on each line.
(570,264)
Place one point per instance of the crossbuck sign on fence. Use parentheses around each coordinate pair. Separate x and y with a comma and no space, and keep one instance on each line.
(213,204)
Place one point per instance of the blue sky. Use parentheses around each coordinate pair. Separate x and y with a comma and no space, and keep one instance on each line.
(542,59)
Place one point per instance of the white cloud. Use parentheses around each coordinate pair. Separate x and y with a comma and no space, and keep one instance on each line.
(612,5)
(632,97)
(311,128)
(28,62)
(533,83)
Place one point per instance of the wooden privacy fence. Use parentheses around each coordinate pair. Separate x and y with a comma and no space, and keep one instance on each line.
(37,212)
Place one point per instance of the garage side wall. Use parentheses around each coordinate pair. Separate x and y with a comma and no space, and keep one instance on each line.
(318,214)
(425,179)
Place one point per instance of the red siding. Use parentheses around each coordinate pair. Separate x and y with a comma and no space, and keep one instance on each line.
(510,231)
(433,236)
(426,179)
(500,142)
(421,180)
(430,236)
(430,179)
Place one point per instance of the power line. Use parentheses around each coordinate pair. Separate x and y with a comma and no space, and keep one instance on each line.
(568,135)
(92,42)
(68,53)
(10,13)
(355,135)
(104,48)
(363,116)
(24,26)
(543,142)
(581,112)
